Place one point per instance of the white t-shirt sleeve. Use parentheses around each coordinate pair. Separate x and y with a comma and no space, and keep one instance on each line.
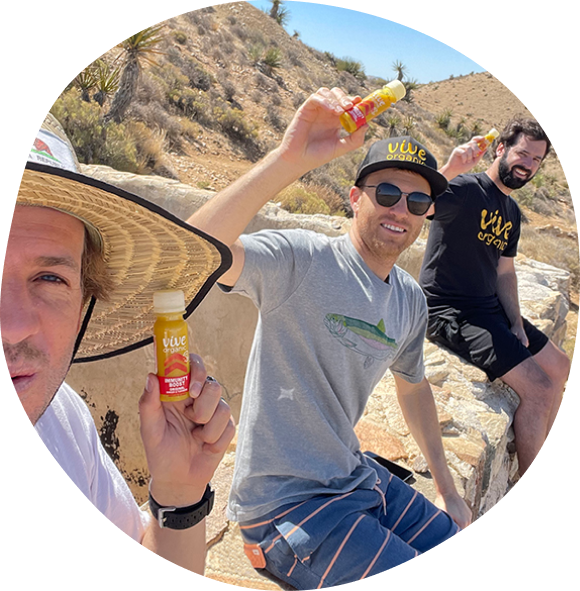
(68,430)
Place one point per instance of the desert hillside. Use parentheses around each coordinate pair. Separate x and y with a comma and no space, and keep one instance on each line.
(218,86)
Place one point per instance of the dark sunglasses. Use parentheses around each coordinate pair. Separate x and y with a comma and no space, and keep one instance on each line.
(388,195)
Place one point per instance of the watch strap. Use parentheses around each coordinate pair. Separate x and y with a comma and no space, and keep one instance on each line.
(182,517)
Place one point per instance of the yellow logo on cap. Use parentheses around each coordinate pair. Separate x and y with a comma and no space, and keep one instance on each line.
(407,151)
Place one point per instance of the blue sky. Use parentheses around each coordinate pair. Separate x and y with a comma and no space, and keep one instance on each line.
(373,41)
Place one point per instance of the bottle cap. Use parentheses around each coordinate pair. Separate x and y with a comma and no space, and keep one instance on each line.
(397,89)
(168,301)
(492,134)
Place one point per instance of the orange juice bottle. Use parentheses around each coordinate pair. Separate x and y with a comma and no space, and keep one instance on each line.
(171,345)
(488,139)
(371,106)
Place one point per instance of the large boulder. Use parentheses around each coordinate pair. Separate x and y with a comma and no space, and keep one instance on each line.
(475,415)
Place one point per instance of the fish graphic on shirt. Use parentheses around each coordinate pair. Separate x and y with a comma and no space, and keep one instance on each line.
(360,336)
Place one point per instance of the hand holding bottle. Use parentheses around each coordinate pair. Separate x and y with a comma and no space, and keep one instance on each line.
(315,135)
(465,157)
(487,139)
(184,441)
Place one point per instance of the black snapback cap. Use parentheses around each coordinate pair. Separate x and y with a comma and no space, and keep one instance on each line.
(403,152)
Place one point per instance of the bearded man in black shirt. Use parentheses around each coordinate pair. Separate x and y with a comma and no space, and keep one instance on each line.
(469,279)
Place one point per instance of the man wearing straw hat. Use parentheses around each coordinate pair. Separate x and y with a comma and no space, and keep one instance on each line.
(82,262)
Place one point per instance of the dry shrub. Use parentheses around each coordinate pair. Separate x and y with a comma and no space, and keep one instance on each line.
(308,198)
(558,251)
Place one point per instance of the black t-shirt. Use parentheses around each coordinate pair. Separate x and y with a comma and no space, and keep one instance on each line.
(474,224)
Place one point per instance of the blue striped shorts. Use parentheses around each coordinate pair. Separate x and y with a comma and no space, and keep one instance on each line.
(334,539)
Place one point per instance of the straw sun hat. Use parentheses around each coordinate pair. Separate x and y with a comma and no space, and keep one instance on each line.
(146,248)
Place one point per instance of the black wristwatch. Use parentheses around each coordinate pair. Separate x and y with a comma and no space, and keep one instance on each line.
(182,517)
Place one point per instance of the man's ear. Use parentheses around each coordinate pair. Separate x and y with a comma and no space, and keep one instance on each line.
(431,210)
(500,150)
(354,196)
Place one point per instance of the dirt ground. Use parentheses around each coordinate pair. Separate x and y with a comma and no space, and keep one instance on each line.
(475,97)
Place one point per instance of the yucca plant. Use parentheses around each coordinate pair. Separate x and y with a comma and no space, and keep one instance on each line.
(410,86)
(85,82)
(408,125)
(273,57)
(393,122)
(106,81)
(137,49)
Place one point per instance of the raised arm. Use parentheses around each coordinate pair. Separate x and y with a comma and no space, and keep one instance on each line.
(463,158)
(313,138)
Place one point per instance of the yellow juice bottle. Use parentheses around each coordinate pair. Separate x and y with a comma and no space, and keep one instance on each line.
(488,139)
(371,106)
(171,345)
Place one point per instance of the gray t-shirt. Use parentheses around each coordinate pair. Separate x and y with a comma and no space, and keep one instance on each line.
(328,330)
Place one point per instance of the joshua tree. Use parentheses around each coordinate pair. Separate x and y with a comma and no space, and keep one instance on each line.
(400,69)
(279,13)
(410,84)
(137,49)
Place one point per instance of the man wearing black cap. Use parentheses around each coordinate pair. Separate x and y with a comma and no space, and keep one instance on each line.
(335,314)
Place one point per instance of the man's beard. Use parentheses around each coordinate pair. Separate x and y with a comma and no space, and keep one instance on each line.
(53,376)
(507,177)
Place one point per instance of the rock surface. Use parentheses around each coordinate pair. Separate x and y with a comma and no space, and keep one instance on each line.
(475,415)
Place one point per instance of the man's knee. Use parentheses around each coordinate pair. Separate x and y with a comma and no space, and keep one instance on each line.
(533,385)
(555,363)
(561,365)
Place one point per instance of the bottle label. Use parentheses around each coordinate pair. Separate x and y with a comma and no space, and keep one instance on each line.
(370,107)
(173,367)
(174,387)
(357,116)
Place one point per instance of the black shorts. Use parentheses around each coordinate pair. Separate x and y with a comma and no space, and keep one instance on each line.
(482,337)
